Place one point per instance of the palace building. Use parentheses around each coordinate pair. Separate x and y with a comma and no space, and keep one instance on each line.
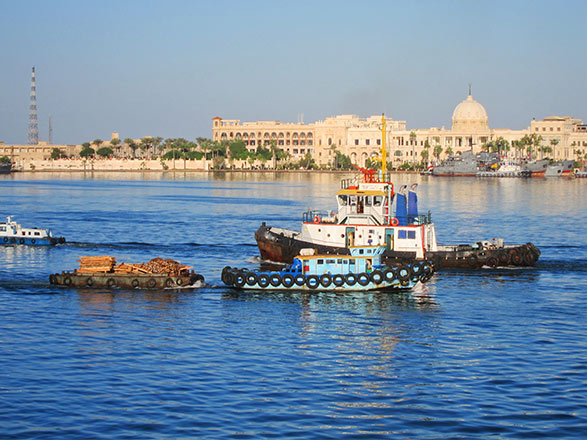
(360,138)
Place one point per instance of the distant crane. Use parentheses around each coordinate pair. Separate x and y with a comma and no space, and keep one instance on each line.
(33,121)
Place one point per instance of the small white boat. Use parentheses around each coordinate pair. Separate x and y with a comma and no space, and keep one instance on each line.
(12,233)
(361,270)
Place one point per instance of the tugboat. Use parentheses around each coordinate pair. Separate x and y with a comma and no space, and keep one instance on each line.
(365,217)
(12,233)
(362,270)
(103,272)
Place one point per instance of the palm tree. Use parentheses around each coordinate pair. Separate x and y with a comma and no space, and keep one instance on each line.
(554,142)
(115,144)
(155,142)
(97,142)
(438,151)
(132,145)
(413,143)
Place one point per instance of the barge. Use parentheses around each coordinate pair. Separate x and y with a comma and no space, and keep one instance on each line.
(103,272)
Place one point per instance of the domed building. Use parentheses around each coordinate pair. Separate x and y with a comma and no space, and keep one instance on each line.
(470,116)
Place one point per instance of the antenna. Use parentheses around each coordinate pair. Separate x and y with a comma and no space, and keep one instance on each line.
(50,131)
(469,89)
(33,121)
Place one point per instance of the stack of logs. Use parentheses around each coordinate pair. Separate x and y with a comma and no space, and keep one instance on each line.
(108,264)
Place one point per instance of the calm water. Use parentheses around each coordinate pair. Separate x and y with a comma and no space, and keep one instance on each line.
(484,354)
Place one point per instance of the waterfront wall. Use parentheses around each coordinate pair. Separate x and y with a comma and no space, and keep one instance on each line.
(129,165)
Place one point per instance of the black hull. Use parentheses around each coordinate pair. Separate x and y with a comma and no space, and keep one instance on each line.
(110,280)
(283,248)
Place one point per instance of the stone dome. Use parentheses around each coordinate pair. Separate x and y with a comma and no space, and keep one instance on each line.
(469,115)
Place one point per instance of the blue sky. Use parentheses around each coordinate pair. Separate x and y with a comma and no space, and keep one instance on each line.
(166,68)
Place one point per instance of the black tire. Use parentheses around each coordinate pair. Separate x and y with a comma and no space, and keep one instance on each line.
(312,281)
(504,258)
(67,281)
(338,280)
(13,240)
(417,267)
(472,261)
(404,273)
(151,283)
(169,282)
(516,258)
(33,241)
(492,262)
(275,280)
(263,280)
(228,278)
(287,280)
(363,279)
(251,278)
(111,282)
(377,277)
(179,281)
(300,280)
(21,241)
(5,240)
(325,280)
(405,283)
(239,279)
(389,275)
(529,259)
(52,279)
(89,282)
(351,279)
(135,283)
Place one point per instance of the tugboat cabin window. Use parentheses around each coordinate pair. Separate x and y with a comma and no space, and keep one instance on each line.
(352,261)
(377,200)
(37,233)
(2,228)
(342,200)
(320,262)
(330,261)
(403,234)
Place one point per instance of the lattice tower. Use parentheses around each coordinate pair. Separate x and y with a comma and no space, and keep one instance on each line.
(33,121)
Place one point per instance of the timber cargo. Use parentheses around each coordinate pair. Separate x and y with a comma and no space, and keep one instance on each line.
(104,272)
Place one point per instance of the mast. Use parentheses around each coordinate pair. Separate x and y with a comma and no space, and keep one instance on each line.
(383,150)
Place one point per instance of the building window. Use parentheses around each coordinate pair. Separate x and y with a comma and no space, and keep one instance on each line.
(367,142)
(378,141)
(356,142)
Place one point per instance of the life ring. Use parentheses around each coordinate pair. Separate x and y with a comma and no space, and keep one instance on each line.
(251,278)
(275,280)
(317,219)
(263,280)
(151,283)
(312,281)
(239,279)
(389,275)
(404,273)
(135,283)
(287,280)
(300,280)
(89,282)
(394,221)
(363,279)
(377,276)
(111,282)
(351,279)
(326,280)
(338,279)
(67,281)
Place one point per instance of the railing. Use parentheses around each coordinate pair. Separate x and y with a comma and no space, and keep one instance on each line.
(422,219)
(312,216)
